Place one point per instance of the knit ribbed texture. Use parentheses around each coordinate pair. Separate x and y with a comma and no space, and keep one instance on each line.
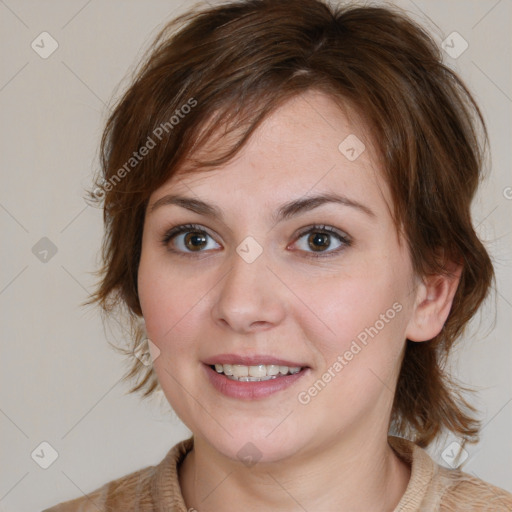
(432,488)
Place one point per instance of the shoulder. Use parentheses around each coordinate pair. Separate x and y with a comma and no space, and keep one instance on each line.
(119,494)
(145,490)
(435,488)
(461,491)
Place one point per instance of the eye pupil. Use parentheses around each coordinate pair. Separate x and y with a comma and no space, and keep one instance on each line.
(197,240)
(321,240)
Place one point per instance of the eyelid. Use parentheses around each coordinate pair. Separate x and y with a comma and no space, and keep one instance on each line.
(183,228)
(323,227)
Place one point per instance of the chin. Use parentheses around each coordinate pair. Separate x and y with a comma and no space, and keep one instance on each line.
(256,444)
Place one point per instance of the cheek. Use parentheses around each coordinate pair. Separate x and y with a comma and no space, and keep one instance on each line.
(359,328)
(341,307)
(170,307)
(171,304)
(360,351)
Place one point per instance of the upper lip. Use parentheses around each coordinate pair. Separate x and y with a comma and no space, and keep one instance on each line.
(252,360)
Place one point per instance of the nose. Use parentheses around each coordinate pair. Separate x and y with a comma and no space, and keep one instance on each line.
(249,297)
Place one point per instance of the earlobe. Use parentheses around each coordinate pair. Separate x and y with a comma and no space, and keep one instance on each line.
(435,296)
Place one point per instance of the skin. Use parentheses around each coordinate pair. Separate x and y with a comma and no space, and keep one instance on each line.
(331,453)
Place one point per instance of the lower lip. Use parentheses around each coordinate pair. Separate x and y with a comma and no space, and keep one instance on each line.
(251,390)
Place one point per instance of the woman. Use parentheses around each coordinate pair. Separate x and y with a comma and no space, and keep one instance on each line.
(287,191)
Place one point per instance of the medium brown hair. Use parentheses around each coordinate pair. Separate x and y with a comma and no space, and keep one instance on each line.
(233,65)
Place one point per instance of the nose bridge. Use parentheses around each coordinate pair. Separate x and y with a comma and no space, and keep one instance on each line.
(246,299)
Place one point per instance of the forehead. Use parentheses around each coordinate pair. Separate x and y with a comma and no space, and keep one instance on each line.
(308,145)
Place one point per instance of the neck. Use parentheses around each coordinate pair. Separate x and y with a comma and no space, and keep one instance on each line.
(360,472)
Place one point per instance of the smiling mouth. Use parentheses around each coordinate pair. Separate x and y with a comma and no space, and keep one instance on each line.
(255,373)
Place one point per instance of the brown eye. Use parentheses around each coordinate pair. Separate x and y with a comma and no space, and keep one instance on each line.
(319,241)
(195,241)
(187,239)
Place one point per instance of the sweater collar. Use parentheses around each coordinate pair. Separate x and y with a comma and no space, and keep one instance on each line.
(169,498)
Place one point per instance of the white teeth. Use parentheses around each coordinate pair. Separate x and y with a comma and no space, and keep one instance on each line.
(272,369)
(240,371)
(252,379)
(255,373)
(258,371)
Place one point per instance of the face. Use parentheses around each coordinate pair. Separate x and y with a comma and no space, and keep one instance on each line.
(240,267)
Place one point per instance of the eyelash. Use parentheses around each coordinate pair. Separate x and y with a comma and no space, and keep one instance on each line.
(320,228)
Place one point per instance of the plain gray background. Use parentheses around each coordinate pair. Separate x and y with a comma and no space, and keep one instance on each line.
(60,380)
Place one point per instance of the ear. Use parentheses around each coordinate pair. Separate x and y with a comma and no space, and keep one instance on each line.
(434,297)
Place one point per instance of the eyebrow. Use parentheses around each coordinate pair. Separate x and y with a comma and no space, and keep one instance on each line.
(284,212)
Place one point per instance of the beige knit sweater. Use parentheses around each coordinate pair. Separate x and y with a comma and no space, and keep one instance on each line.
(431,488)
